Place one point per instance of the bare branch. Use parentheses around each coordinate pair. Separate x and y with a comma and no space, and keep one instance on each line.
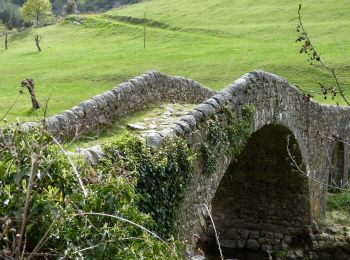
(314,55)
(216,234)
(73,166)
(304,174)
(10,108)
(33,173)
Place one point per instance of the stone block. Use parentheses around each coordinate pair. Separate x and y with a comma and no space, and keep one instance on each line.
(228,243)
(190,120)
(78,111)
(241,243)
(199,116)
(287,239)
(214,104)
(252,244)
(220,99)
(244,233)
(254,234)
(154,139)
(314,245)
(284,246)
(277,247)
(266,248)
(206,109)
(277,235)
(269,234)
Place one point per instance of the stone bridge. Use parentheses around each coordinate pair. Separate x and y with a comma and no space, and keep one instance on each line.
(259,195)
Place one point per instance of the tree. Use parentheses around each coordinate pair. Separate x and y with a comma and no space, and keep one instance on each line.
(36,10)
(37,38)
(29,84)
(4,32)
(9,14)
(70,7)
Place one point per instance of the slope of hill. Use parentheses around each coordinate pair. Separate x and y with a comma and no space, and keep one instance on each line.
(213,42)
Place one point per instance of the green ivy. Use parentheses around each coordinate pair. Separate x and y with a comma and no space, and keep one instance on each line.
(209,159)
(163,175)
(231,138)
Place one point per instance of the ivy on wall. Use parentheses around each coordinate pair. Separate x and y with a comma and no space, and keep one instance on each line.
(163,175)
(231,138)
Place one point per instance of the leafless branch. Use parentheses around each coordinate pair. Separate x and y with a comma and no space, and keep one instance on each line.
(33,173)
(216,234)
(304,174)
(77,175)
(333,138)
(10,108)
(315,55)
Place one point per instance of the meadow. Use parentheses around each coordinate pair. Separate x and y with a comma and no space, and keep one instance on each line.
(213,42)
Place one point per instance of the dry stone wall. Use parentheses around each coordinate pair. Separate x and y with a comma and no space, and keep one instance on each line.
(135,94)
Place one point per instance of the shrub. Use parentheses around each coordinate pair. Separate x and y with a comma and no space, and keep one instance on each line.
(61,221)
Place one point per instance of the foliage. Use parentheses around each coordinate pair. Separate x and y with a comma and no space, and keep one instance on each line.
(233,137)
(36,10)
(58,223)
(163,175)
(239,129)
(101,5)
(339,201)
(70,7)
(9,14)
(209,159)
(3,29)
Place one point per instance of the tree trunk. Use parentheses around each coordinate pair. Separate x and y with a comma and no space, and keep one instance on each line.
(37,42)
(5,41)
(29,83)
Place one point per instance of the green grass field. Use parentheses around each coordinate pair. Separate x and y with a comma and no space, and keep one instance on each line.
(213,42)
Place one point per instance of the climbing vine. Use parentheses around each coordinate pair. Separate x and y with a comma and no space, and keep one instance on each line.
(231,138)
(163,175)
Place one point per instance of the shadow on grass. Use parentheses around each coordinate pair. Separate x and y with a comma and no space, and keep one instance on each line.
(32,53)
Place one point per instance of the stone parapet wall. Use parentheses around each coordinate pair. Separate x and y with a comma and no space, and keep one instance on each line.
(135,94)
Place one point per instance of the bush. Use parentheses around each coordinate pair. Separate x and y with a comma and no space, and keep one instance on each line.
(339,201)
(163,176)
(61,221)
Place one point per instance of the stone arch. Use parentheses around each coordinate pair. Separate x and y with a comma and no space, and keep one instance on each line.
(337,171)
(261,200)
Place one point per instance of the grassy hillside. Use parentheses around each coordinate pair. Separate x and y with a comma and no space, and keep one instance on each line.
(213,42)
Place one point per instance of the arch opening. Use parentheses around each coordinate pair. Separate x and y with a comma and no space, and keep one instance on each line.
(337,172)
(262,203)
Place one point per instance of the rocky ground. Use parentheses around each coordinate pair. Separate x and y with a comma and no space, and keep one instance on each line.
(160,118)
(152,119)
